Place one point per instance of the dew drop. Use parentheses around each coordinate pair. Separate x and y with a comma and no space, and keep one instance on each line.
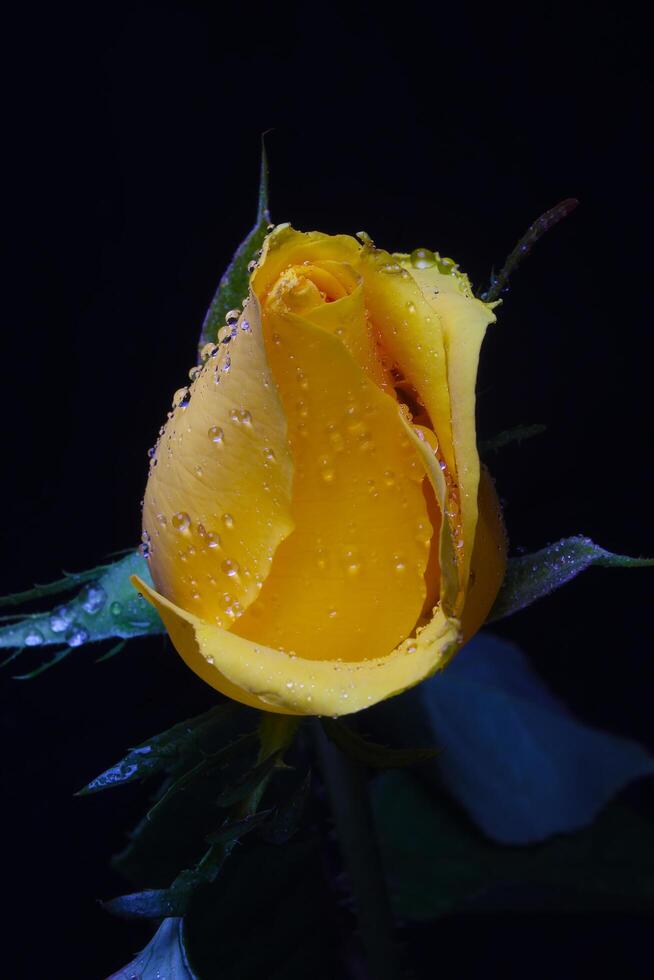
(61,619)
(213,539)
(269,454)
(230,567)
(209,350)
(93,598)
(116,609)
(77,636)
(228,520)
(181,521)
(422,258)
(33,638)
(181,398)
(216,434)
(231,317)
(399,564)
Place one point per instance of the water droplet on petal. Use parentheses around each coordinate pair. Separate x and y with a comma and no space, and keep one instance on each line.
(422,258)
(33,638)
(230,567)
(228,520)
(116,609)
(181,521)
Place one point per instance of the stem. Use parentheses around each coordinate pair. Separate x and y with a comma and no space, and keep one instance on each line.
(348,795)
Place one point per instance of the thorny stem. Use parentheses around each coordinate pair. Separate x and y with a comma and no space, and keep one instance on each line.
(531,236)
(348,795)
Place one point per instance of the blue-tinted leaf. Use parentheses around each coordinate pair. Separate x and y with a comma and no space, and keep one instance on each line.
(512,755)
(106,607)
(184,742)
(164,958)
(530,577)
(436,862)
(233,287)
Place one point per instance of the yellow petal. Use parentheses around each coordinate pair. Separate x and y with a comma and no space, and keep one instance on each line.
(412,334)
(218,500)
(348,582)
(464,320)
(258,675)
(488,563)
(286,247)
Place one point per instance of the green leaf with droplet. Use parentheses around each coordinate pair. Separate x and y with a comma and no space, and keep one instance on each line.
(184,744)
(530,577)
(372,754)
(106,607)
(235,282)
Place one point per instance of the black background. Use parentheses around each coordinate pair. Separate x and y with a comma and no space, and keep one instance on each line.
(132,136)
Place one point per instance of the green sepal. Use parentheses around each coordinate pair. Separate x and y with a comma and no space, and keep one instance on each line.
(183,744)
(249,782)
(234,284)
(208,769)
(372,754)
(288,817)
(530,577)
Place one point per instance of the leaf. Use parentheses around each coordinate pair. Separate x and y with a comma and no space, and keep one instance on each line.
(518,434)
(183,743)
(234,284)
(270,914)
(164,958)
(530,577)
(512,755)
(437,863)
(288,817)
(235,829)
(106,607)
(249,781)
(208,768)
(370,753)
(155,903)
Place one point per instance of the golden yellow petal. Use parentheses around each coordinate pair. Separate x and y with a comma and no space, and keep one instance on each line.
(286,247)
(218,500)
(262,676)
(348,582)
(464,320)
(488,563)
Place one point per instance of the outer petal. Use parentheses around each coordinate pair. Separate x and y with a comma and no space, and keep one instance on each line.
(218,499)
(349,581)
(464,320)
(488,563)
(277,681)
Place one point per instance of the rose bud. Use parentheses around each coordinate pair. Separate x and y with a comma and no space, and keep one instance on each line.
(319,531)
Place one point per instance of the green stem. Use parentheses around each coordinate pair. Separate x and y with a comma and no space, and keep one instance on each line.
(347,790)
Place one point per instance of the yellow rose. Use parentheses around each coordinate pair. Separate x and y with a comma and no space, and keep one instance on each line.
(320,535)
